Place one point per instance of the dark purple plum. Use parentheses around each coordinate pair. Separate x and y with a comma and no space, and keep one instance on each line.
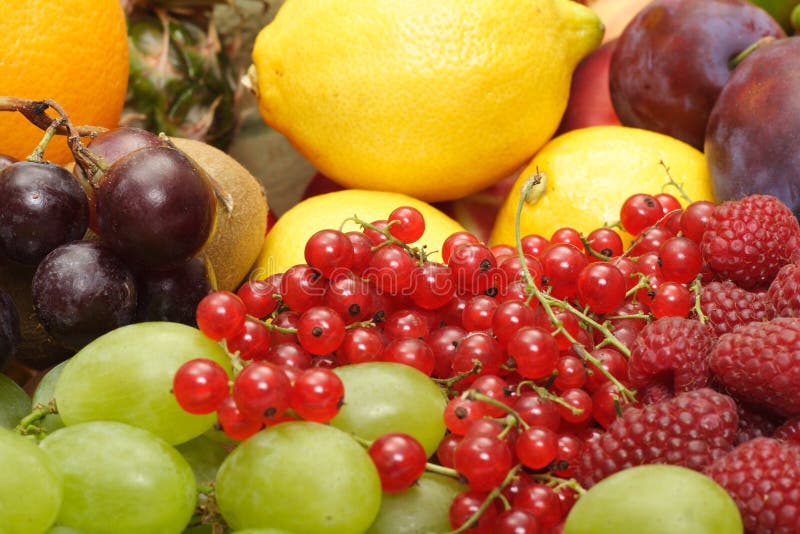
(42,206)
(173,294)
(754,129)
(82,290)
(155,207)
(9,328)
(672,60)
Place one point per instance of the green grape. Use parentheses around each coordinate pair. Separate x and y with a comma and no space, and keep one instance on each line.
(421,509)
(302,477)
(58,529)
(261,531)
(205,456)
(14,403)
(119,479)
(44,393)
(381,397)
(126,376)
(656,499)
(31,488)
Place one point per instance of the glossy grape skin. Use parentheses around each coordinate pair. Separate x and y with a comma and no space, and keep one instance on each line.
(126,375)
(155,207)
(300,477)
(424,507)
(383,397)
(42,206)
(671,62)
(657,499)
(173,294)
(10,333)
(14,403)
(113,144)
(82,290)
(121,479)
(750,142)
(31,492)
(44,393)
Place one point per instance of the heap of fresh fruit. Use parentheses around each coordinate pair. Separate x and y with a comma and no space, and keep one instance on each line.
(621,353)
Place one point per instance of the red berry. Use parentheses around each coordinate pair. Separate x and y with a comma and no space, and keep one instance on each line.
(220,315)
(601,287)
(317,395)
(328,251)
(302,287)
(667,202)
(535,352)
(237,425)
(399,459)
(694,219)
(251,342)
(259,295)
(200,385)
(454,241)
(261,390)
(639,212)
(680,259)
(483,461)
(412,352)
(604,242)
(536,447)
(433,285)
(671,299)
(561,264)
(410,225)
(320,330)
(360,345)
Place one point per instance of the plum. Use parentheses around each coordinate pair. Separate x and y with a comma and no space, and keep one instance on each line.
(672,60)
(754,128)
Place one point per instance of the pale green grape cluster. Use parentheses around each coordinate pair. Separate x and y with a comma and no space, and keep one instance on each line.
(382,397)
(44,393)
(126,376)
(301,477)
(31,488)
(14,403)
(119,479)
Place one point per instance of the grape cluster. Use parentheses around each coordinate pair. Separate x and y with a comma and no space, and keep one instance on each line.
(148,210)
(531,344)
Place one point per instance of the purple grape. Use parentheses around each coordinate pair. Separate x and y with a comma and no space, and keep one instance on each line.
(114,144)
(9,328)
(173,294)
(82,290)
(155,207)
(42,206)
(6,160)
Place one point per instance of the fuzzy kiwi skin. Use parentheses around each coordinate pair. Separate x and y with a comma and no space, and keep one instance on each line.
(236,241)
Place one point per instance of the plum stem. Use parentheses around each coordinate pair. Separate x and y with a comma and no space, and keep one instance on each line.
(738,58)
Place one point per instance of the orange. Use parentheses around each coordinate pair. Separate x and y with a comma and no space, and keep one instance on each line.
(72,51)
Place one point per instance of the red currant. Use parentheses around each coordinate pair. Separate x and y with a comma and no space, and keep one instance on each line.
(601,287)
(410,351)
(328,251)
(261,390)
(399,459)
(410,225)
(259,295)
(535,352)
(302,287)
(639,212)
(317,395)
(455,240)
(320,330)
(483,461)
(220,315)
(200,385)
(234,422)
(537,447)
(433,285)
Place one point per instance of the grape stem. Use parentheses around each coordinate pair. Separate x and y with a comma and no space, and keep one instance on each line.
(37,156)
(27,425)
(36,113)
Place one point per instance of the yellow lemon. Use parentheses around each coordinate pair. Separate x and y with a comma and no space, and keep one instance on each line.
(433,99)
(588,173)
(286,241)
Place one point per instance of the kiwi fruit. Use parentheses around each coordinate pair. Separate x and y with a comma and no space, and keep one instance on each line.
(241,214)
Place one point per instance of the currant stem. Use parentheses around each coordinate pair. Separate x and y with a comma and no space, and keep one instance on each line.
(696,287)
(673,183)
(417,252)
(557,482)
(491,496)
(547,394)
(471,394)
(441,470)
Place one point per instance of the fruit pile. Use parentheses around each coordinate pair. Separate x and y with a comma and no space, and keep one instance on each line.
(618,351)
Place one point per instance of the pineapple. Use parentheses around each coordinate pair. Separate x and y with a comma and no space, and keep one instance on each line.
(184,80)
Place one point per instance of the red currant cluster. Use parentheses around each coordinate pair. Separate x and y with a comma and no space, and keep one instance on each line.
(530,342)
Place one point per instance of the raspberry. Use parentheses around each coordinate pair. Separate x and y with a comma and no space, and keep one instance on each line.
(783,294)
(749,240)
(761,476)
(759,363)
(727,305)
(789,431)
(692,430)
(672,351)
(753,424)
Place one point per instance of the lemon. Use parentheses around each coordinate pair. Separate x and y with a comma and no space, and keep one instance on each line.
(285,242)
(434,99)
(588,173)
